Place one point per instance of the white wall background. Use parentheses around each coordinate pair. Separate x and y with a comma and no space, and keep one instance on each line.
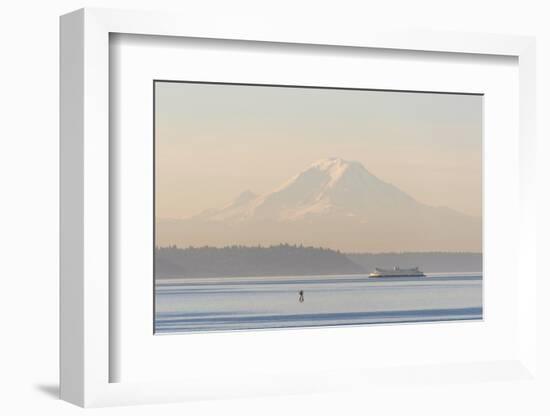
(29,204)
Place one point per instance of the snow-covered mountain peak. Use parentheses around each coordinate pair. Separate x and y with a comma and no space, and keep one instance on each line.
(334,166)
(334,169)
(331,186)
(330,163)
(334,203)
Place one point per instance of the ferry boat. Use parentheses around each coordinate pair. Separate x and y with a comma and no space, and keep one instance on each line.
(397,272)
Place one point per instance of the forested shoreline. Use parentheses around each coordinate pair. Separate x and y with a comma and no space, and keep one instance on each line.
(297,260)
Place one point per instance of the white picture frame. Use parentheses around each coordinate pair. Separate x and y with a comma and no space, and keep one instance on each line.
(86,333)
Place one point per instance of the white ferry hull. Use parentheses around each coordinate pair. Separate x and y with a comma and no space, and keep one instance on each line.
(397,272)
(377,275)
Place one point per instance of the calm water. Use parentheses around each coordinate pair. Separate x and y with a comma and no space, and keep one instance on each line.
(213,304)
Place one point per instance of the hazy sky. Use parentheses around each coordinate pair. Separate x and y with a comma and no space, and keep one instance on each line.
(215,141)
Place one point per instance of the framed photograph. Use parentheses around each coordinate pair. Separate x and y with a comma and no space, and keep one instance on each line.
(244,212)
(326,241)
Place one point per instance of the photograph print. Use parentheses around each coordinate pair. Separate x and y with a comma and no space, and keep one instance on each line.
(291,206)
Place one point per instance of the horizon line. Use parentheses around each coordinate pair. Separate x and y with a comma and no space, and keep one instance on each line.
(259,246)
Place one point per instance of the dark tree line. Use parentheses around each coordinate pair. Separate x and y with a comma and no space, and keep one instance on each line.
(276,260)
(298,260)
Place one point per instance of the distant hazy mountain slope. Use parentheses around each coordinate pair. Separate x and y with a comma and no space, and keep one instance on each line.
(333,203)
(282,260)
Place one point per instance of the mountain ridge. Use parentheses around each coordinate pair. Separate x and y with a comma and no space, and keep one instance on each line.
(332,203)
